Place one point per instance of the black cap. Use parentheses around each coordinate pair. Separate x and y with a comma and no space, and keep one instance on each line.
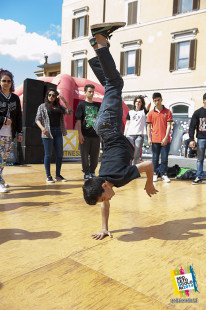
(204,96)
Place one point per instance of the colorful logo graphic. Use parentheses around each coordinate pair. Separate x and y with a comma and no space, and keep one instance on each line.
(184,281)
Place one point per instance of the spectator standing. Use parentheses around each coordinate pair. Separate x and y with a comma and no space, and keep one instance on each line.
(135,126)
(185,143)
(198,123)
(10,121)
(50,120)
(89,141)
(159,123)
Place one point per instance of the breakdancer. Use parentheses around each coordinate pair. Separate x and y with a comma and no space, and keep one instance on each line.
(115,167)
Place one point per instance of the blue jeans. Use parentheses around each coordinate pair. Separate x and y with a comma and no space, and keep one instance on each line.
(201,146)
(109,119)
(137,141)
(157,148)
(48,143)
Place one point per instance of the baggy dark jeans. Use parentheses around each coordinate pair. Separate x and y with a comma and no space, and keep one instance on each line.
(109,119)
(90,147)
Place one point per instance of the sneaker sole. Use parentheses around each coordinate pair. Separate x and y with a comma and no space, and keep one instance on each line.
(61,180)
(102,25)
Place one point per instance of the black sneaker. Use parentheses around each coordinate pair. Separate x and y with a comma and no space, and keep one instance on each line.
(86,177)
(50,179)
(197,181)
(105,29)
(92,175)
(60,178)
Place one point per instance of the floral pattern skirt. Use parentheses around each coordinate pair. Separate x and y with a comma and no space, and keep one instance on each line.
(5,149)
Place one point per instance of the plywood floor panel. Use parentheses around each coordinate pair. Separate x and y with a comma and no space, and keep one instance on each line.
(49,261)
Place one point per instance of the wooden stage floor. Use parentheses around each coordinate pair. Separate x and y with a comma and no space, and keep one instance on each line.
(49,261)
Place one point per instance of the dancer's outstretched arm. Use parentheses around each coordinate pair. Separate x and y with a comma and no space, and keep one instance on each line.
(105,205)
(147,167)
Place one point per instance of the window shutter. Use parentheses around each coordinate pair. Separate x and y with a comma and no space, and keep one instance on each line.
(84,68)
(175,7)
(132,13)
(192,58)
(196,4)
(73,28)
(138,62)
(86,25)
(173,57)
(129,18)
(122,63)
(73,68)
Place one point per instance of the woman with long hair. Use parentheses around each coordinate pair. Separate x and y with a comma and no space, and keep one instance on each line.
(50,120)
(135,126)
(10,120)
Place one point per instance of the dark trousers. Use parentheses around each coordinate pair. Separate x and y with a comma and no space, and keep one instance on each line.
(109,119)
(90,148)
(48,143)
(158,149)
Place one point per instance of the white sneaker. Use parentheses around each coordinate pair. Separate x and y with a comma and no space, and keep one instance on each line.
(165,179)
(3,182)
(155,178)
(3,189)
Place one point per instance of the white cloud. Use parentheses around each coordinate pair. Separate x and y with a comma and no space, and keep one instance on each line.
(54,31)
(22,45)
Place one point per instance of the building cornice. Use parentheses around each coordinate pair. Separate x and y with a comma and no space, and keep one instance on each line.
(171,89)
(161,20)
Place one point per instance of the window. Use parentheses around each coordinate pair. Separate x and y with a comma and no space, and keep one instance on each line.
(80,23)
(132,13)
(78,68)
(180,110)
(183,6)
(130,62)
(183,50)
(130,58)
(80,27)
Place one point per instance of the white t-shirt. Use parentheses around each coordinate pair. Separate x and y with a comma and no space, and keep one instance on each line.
(6,129)
(137,123)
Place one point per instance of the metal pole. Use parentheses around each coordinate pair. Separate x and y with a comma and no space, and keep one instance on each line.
(104,10)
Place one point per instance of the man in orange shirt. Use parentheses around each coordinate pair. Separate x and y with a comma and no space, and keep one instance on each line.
(159,123)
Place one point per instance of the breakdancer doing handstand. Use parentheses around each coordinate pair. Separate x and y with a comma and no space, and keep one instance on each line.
(115,167)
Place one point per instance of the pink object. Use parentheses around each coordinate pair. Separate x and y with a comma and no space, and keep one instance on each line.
(72,89)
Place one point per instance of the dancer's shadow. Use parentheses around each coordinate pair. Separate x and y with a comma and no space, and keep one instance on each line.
(20,234)
(171,230)
(16,205)
(28,194)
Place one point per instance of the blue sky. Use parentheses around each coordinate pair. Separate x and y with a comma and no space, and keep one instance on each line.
(28,29)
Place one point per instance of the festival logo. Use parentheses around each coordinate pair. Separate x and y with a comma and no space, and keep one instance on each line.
(184,281)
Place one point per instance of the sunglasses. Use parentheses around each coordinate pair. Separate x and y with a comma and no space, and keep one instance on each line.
(51,95)
(6,81)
